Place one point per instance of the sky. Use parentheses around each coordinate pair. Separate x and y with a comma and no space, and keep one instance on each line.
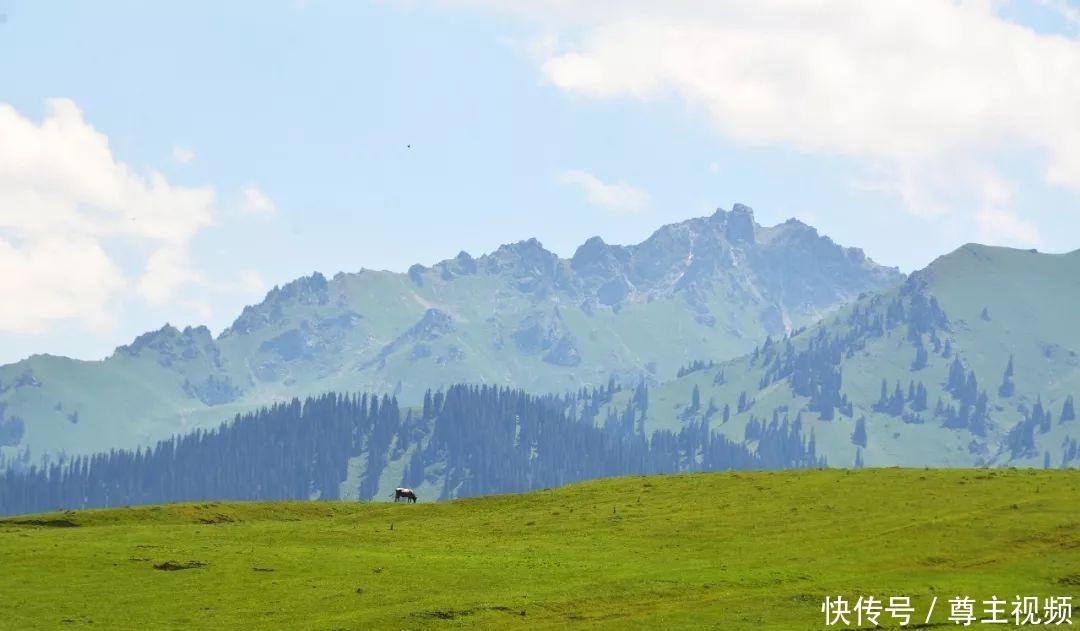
(171,162)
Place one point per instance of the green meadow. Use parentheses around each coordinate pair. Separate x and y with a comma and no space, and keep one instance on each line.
(745,550)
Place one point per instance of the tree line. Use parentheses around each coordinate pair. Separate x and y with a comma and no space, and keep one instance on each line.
(468,440)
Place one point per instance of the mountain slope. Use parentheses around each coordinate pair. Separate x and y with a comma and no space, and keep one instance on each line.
(520,316)
(741,551)
(923,366)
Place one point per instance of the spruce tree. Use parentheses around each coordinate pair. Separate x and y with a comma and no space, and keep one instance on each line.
(1067,411)
(858,437)
(1040,417)
(1008,387)
(919,403)
(921,357)
(896,404)
(955,384)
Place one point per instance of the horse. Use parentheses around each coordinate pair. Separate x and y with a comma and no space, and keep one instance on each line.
(408,494)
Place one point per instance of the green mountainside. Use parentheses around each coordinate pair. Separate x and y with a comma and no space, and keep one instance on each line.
(742,550)
(916,375)
(521,316)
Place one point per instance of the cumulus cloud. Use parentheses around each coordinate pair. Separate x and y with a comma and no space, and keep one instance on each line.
(182,155)
(910,88)
(253,201)
(67,206)
(619,196)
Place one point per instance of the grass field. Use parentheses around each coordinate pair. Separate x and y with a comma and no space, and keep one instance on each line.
(725,551)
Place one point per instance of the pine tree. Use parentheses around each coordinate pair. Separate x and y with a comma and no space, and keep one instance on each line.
(1008,387)
(977,422)
(641,396)
(971,388)
(1067,411)
(896,403)
(858,437)
(921,356)
(1040,417)
(711,410)
(695,399)
(955,384)
(919,403)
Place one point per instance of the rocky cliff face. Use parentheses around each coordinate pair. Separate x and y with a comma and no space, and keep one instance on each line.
(795,273)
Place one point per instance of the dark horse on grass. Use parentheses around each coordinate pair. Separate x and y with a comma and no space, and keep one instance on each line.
(408,494)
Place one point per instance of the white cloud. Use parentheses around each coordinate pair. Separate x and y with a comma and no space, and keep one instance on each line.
(618,196)
(182,155)
(1002,227)
(997,224)
(254,201)
(912,89)
(67,206)
(54,278)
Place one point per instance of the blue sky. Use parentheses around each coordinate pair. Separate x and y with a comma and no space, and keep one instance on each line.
(199,153)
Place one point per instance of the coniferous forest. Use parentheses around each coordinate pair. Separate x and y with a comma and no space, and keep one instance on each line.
(468,440)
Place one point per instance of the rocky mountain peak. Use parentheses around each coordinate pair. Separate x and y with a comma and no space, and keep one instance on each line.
(597,258)
(527,256)
(741,227)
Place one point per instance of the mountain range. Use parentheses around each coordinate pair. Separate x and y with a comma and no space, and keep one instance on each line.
(971,362)
(715,324)
(520,316)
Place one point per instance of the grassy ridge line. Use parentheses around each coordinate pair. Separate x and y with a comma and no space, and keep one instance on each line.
(723,550)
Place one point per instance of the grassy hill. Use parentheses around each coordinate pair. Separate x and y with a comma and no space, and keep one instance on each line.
(978,306)
(520,316)
(701,551)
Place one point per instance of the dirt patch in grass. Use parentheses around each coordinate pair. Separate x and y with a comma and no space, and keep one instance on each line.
(219,518)
(45,523)
(174,566)
(444,614)
(1071,579)
(453,614)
